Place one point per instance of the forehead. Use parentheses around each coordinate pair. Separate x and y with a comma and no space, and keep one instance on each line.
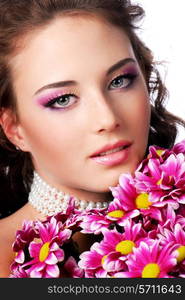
(65,31)
(68,44)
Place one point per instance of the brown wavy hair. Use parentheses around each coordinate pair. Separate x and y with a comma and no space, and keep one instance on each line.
(17,19)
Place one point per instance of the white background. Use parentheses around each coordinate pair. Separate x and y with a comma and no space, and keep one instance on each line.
(163,31)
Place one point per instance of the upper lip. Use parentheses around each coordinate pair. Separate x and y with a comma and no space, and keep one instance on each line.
(111,147)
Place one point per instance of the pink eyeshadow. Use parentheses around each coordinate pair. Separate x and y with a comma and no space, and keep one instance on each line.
(130,69)
(42,100)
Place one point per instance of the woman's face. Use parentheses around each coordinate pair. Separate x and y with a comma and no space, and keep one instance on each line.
(80,92)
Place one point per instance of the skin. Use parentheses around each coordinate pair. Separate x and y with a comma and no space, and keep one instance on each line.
(62,141)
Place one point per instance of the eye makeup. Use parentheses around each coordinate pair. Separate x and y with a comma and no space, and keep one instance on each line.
(130,70)
(49,99)
(128,74)
(43,100)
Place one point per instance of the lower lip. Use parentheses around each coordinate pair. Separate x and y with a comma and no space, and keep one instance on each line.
(113,159)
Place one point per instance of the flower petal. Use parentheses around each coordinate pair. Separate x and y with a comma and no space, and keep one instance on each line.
(53,271)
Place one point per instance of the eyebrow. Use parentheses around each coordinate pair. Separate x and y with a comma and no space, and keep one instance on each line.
(66,83)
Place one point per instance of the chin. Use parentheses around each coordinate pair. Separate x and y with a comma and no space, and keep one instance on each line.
(113,179)
(130,168)
(104,187)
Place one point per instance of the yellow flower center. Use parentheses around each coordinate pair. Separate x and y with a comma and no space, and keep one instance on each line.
(181,253)
(151,271)
(103,259)
(159,181)
(125,247)
(44,251)
(159,152)
(142,201)
(116,213)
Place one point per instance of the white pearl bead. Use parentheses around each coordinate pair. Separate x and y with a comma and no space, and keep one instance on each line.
(67,198)
(105,204)
(83,204)
(50,201)
(98,205)
(91,205)
(77,201)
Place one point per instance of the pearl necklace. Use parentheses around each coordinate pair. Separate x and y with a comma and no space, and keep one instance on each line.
(49,201)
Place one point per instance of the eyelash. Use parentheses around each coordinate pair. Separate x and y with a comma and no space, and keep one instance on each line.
(55,99)
(131,77)
(128,76)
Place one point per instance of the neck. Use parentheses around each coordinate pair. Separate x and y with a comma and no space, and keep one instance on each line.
(89,196)
(82,194)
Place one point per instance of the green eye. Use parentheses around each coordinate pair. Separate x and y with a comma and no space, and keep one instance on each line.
(119,82)
(63,100)
(123,81)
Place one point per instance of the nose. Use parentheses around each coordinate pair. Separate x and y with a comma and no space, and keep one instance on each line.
(104,115)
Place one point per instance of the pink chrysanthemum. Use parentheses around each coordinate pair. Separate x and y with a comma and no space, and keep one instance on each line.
(110,254)
(179,148)
(164,182)
(92,262)
(117,214)
(94,221)
(161,154)
(69,217)
(23,239)
(133,201)
(24,236)
(151,261)
(46,253)
(125,192)
(176,236)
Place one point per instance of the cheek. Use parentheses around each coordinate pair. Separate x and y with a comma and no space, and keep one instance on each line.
(142,116)
(142,108)
(136,111)
(52,136)
(142,112)
(138,117)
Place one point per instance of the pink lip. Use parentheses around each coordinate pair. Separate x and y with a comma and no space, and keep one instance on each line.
(112,158)
(111,147)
